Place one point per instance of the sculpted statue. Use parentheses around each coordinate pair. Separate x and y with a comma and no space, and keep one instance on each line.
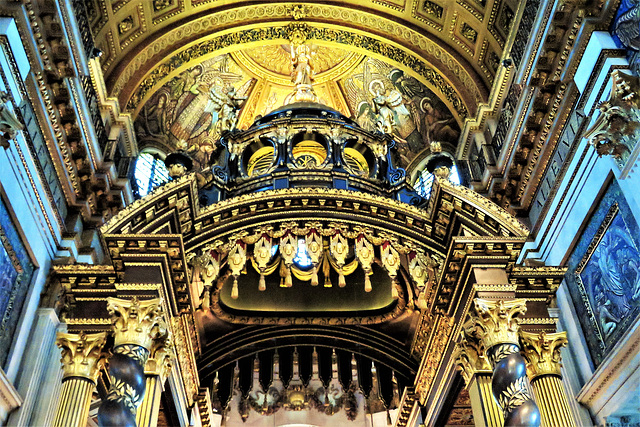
(617,128)
(302,73)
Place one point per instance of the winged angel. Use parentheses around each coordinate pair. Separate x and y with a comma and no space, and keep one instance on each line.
(384,99)
(196,107)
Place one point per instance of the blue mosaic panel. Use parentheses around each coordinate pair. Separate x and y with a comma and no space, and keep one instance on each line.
(16,271)
(604,273)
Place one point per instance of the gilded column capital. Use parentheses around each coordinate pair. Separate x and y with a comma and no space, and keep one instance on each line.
(160,357)
(136,322)
(495,322)
(81,354)
(470,358)
(542,352)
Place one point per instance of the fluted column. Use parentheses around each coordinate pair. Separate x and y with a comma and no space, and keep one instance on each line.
(476,370)
(156,371)
(137,325)
(542,352)
(81,363)
(495,324)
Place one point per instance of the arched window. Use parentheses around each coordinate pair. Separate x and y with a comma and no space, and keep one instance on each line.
(149,173)
(425,181)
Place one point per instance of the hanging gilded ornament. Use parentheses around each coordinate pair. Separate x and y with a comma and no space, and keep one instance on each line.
(288,248)
(315,248)
(262,256)
(365,255)
(237,260)
(210,266)
(419,268)
(390,259)
(339,248)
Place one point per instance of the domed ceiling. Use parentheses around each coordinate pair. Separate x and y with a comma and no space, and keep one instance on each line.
(182,111)
(162,59)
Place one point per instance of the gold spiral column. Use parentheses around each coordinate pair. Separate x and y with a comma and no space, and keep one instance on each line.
(156,371)
(81,363)
(476,370)
(542,352)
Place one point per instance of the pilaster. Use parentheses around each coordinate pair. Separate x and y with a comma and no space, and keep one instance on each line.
(156,371)
(39,382)
(542,352)
(470,358)
(81,363)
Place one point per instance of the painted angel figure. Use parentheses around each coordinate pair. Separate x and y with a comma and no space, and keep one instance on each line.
(627,27)
(224,106)
(385,120)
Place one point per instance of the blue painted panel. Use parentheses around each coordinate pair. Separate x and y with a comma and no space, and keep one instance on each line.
(604,273)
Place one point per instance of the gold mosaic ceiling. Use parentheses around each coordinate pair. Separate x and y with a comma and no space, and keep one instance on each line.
(454,48)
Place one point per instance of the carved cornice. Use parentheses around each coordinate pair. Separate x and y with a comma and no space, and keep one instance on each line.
(542,352)
(81,354)
(495,322)
(137,322)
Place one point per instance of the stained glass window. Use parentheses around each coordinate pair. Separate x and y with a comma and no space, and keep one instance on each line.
(425,181)
(150,172)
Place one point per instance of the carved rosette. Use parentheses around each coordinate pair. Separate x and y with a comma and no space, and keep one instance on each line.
(495,325)
(138,329)
(542,352)
(81,354)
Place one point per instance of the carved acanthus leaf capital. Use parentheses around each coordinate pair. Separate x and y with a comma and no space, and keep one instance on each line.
(470,358)
(495,322)
(542,352)
(81,354)
(137,322)
(161,357)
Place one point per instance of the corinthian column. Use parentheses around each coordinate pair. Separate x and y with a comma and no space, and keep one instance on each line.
(137,324)
(542,352)
(81,365)
(495,325)
(156,371)
(476,370)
